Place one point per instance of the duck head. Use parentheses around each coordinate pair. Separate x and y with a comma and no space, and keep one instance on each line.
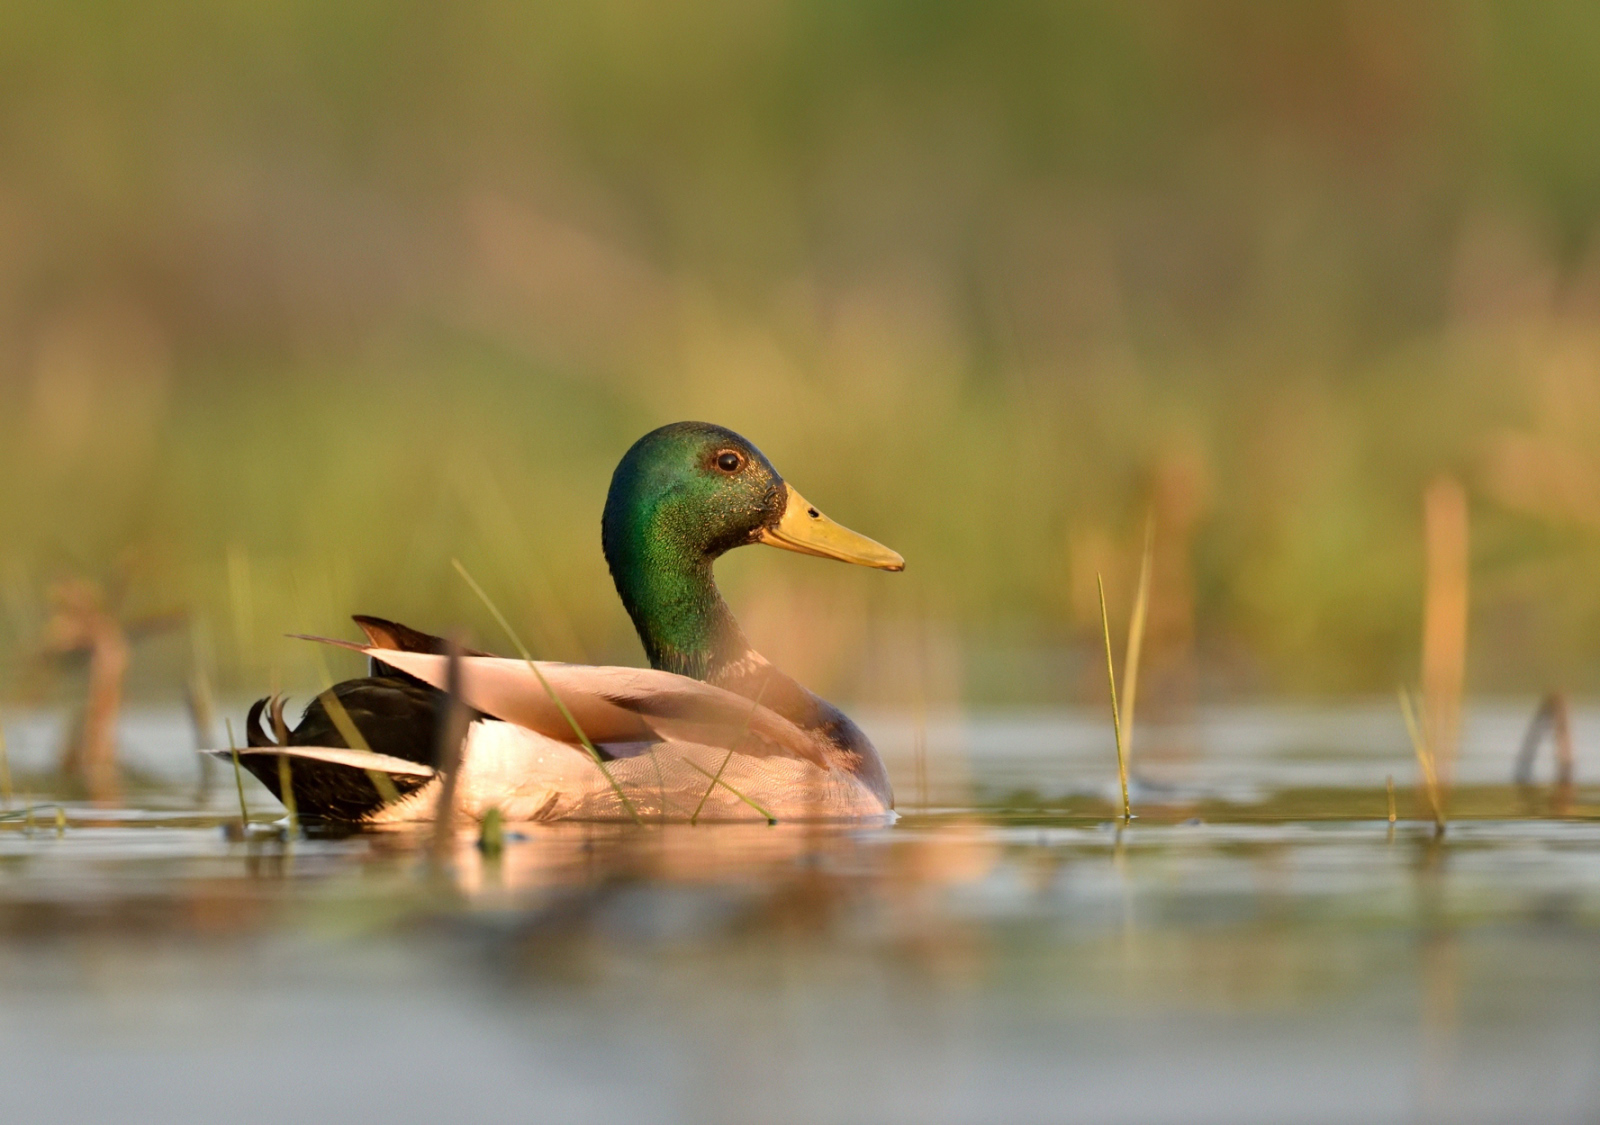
(681,497)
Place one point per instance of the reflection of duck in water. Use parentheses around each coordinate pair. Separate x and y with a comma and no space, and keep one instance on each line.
(711,721)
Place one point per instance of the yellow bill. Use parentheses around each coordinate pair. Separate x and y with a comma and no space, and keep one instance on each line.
(808,531)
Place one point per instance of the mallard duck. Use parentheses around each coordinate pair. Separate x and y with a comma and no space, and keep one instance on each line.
(710,731)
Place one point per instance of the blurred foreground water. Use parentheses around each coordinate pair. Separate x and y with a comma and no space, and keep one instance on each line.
(1259,946)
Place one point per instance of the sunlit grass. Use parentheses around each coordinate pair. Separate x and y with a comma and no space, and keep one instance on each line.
(572,722)
(1116,717)
(1136,625)
(716,778)
(1426,761)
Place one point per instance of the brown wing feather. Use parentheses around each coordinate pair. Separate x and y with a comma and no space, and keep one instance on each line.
(383,633)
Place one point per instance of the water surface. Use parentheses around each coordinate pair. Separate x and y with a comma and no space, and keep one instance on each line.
(1260,945)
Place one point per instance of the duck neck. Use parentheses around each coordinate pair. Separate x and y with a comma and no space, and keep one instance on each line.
(681,618)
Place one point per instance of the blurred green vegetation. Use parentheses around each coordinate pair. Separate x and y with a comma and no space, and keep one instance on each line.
(299,300)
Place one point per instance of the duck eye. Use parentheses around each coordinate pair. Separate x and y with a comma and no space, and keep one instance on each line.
(729,461)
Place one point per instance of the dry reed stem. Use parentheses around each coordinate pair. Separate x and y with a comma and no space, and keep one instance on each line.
(1444,622)
(1116,718)
(1425,759)
(1388,783)
(1136,624)
(527,657)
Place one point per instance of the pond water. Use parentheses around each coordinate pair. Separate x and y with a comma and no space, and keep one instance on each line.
(1260,945)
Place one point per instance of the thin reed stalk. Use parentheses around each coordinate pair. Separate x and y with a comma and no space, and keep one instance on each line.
(1116,717)
(1425,759)
(346,726)
(1136,624)
(527,658)
(1563,739)
(694,818)
(747,800)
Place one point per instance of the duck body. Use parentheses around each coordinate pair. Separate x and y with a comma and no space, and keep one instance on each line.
(710,731)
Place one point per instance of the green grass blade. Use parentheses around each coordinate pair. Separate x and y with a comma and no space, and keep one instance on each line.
(527,657)
(1116,718)
(702,770)
(726,758)
(351,733)
(1136,624)
(1424,752)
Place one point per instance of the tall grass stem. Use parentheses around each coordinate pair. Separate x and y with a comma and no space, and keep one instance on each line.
(1136,624)
(747,800)
(346,726)
(744,733)
(1116,718)
(527,658)
(1425,758)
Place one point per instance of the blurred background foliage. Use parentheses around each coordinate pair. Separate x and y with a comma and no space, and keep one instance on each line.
(300,299)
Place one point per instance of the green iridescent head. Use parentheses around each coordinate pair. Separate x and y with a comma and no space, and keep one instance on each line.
(682,496)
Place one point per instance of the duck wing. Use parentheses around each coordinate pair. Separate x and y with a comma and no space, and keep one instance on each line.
(611,705)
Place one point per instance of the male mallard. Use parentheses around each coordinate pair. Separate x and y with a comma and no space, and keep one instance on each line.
(711,728)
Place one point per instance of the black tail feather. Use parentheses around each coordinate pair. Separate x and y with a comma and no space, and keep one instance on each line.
(254,733)
(395,716)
